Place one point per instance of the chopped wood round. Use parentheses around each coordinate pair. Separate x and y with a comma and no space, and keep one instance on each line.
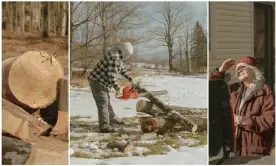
(31,79)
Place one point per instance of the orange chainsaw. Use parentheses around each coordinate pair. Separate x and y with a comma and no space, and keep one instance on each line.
(133,92)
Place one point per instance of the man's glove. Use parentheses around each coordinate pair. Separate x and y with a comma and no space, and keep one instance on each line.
(119,93)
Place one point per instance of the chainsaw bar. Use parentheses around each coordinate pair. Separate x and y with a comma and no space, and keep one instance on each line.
(154,93)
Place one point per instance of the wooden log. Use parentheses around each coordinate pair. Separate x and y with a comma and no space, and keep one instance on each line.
(151,109)
(51,152)
(124,147)
(186,122)
(61,126)
(30,80)
(15,126)
(21,116)
(63,95)
(14,151)
(159,125)
(162,124)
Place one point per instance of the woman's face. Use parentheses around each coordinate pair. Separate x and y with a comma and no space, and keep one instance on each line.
(244,73)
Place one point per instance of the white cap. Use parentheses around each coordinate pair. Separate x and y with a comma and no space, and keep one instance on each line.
(126,49)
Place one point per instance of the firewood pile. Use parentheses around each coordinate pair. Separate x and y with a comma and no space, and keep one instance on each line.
(33,94)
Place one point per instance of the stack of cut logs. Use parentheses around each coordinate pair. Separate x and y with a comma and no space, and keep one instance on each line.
(31,81)
(165,118)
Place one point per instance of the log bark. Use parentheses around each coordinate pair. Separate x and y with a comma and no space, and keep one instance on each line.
(30,80)
(151,109)
(21,116)
(124,147)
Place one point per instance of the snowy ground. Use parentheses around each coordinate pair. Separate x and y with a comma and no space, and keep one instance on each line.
(189,91)
(186,155)
(182,91)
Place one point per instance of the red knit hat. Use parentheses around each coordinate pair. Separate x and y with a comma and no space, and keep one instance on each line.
(250,61)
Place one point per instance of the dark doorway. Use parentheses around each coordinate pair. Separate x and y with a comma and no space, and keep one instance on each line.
(264,39)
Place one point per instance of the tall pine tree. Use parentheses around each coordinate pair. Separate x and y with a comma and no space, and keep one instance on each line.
(199,48)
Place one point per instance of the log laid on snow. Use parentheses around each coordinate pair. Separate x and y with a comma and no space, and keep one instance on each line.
(159,125)
(30,80)
(18,122)
(168,111)
(162,124)
(122,146)
(151,109)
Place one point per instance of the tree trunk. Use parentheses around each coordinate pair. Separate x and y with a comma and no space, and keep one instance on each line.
(50,16)
(16,18)
(45,30)
(10,13)
(181,57)
(187,61)
(170,59)
(64,19)
(22,17)
(40,79)
(31,18)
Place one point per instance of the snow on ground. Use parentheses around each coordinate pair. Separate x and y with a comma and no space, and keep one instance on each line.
(186,91)
(182,91)
(185,156)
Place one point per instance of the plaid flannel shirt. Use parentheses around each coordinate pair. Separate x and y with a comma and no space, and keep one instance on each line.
(108,70)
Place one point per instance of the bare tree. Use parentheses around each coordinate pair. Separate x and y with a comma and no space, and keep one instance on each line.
(169,17)
(45,21)
(37,18)
(101,25)
(64,19)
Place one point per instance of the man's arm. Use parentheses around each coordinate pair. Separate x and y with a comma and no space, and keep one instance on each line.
(113,69)
(125,73)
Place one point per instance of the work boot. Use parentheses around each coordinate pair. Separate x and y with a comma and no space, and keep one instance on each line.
(61,126)
(107,130)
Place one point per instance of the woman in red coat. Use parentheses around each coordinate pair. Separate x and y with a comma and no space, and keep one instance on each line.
(253,107)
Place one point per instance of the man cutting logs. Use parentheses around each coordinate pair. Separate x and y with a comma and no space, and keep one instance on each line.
(103,78)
